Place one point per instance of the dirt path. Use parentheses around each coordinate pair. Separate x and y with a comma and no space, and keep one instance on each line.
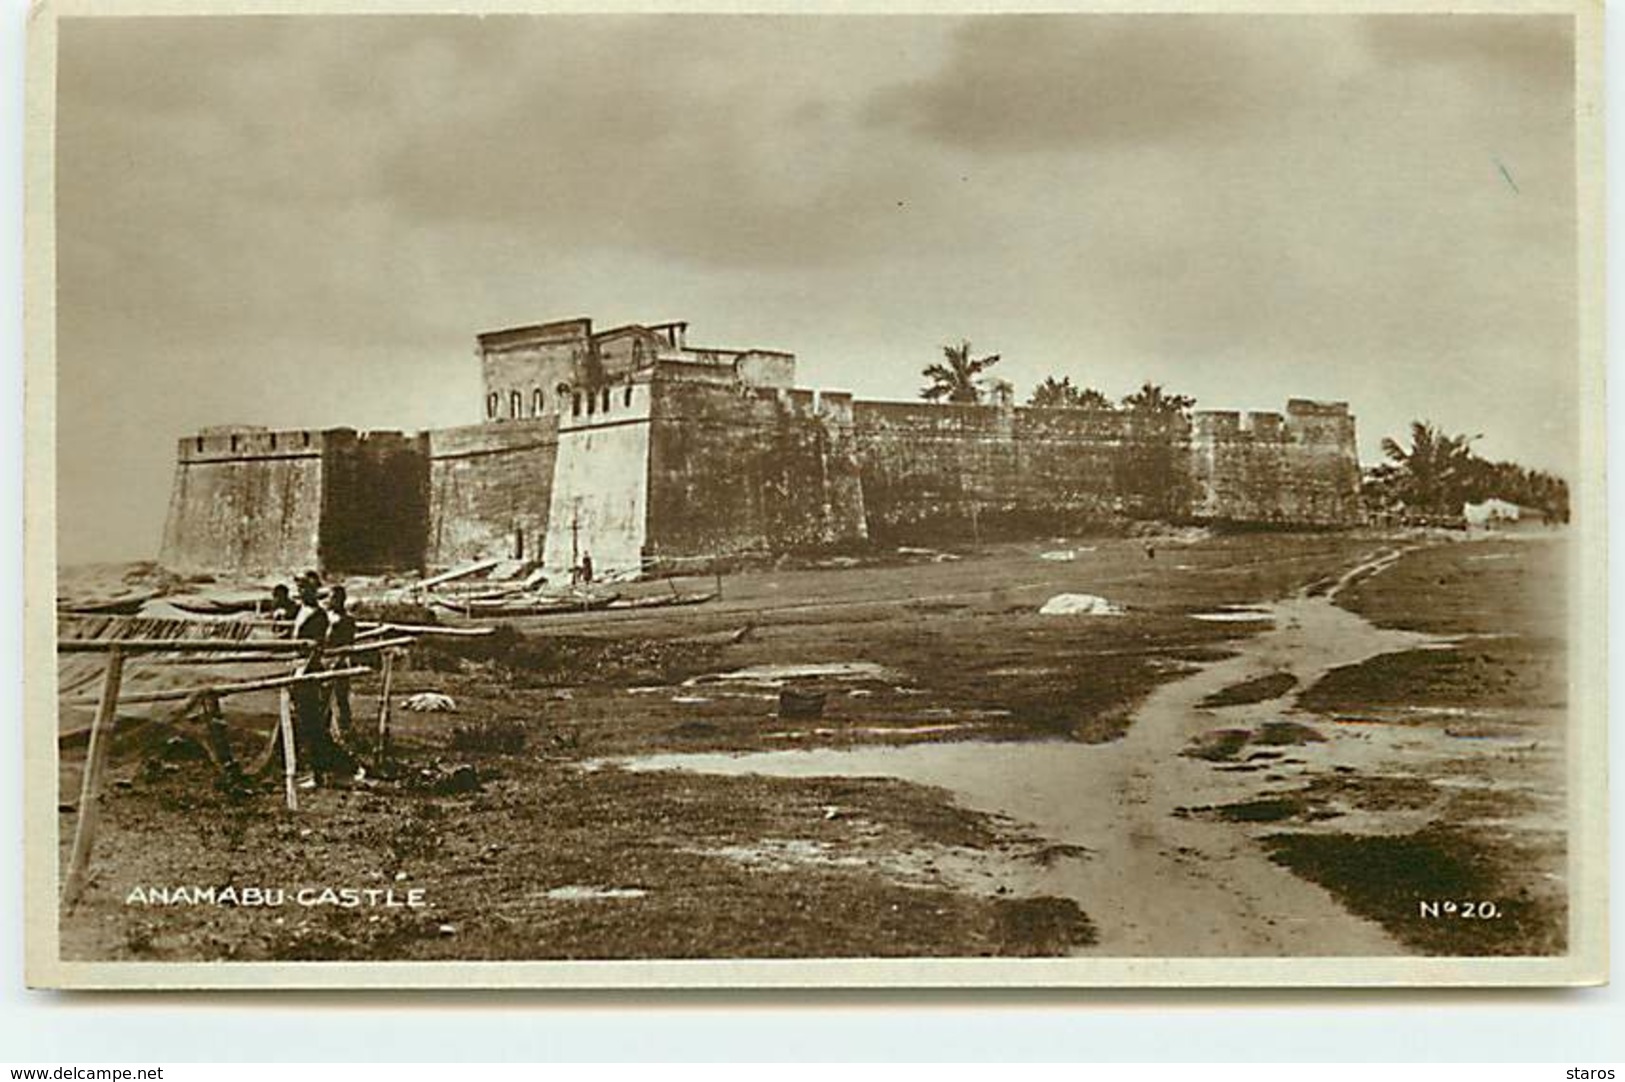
(1155,883)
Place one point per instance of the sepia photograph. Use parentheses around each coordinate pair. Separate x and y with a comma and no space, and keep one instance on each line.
(646,499)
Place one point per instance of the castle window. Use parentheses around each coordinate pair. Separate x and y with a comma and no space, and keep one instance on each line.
(306,435)
(516,404)
(592,403)
(637,351)
(273,441)
(492,401)
(605,406)
(200,443)
(626,396)
(575,405)
(536,402)
(234,443)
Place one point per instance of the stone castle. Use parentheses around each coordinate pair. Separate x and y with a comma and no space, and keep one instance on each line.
(646,452)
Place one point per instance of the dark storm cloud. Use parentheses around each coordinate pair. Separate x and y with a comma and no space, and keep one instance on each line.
(1045,82)
(669,135)
(1531,49)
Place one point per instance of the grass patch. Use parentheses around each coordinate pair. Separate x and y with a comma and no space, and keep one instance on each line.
(524,661)
(1258,690)
(1453,589)
(489,857)
(1387,878)
(1218,746)
(1287,734)
(1498,673)
(496,737)
(1037,927)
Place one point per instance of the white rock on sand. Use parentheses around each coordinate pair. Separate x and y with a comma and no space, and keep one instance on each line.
(430,702)
(1079,605)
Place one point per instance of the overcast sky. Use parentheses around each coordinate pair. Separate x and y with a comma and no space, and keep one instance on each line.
(303,222)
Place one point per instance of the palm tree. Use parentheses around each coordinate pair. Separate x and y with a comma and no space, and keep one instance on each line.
(1435,472)
(959,377)
(1152,400)
(1061,394)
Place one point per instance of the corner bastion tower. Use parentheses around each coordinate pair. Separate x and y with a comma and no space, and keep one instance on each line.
(649,453)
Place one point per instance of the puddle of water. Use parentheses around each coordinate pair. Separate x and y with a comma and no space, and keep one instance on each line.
(869,730)
(783,853)
(778,675)
(579,893)
(1244,616)
(956,867)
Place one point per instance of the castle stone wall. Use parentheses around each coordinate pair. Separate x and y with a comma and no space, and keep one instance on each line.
(935,472)
(741,469)
(250,501)
(1301,469)
(490,488)
(599,499)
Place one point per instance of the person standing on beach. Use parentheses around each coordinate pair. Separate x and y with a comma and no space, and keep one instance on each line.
(309,699)
(283,606)
(340,633)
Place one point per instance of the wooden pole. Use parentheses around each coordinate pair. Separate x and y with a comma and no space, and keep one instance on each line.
(457,573)
(289,647)
(90,789)
(368,647)
(290,758)
(383,706)
(373,627)
(282,647)
(222,690)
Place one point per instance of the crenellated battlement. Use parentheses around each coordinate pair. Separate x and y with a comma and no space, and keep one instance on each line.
(226,444)
(246,443)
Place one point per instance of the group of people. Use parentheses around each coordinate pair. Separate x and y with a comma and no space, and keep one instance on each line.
(322,719)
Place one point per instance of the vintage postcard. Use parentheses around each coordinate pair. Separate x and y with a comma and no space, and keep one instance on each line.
(816,497)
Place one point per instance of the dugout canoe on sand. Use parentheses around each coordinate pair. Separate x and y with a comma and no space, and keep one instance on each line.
(660,601)
(524,606)
(125,604)
(221,602)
